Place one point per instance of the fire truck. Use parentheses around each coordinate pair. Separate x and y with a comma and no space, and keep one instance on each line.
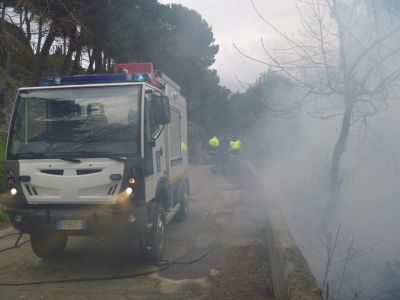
(98,155)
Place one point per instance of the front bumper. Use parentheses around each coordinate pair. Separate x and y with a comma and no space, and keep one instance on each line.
(98,220)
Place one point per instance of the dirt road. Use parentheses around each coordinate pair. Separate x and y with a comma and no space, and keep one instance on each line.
(226,223)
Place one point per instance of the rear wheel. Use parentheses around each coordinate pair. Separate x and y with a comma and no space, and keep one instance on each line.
(183,211)
(48,245)
(152,242)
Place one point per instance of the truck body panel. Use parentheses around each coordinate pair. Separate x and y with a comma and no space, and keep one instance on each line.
(55,181)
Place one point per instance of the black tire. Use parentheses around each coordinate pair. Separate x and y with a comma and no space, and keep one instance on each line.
(152,242)
(48,245)
(183,211)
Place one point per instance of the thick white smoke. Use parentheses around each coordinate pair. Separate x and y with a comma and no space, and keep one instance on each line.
(368,244)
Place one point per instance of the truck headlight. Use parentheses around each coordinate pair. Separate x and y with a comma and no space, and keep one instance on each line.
(13,191)
(129,190)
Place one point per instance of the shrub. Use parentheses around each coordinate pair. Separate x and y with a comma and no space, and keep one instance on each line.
(3,141)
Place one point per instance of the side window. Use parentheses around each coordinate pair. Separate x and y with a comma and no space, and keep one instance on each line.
(36,110)
(150,124)
(150,128)
(30,125)
(19,133)
(175,129)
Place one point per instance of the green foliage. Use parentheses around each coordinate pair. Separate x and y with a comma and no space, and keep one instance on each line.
(196,136)
(257,112)
(208,102)
(7,81)
(186,43)
(16,55)
(181,44)
(176,39)
(53,64)
(3,143)
(3,220)
(268,96)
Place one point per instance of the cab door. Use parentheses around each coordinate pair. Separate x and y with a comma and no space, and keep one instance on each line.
(155,151)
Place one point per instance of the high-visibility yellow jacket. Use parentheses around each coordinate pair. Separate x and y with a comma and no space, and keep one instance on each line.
(184,146)
(214,142)
(235,145)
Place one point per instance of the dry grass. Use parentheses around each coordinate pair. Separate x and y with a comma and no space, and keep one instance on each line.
(243,273)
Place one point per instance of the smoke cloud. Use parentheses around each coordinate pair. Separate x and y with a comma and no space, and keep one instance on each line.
(365,260)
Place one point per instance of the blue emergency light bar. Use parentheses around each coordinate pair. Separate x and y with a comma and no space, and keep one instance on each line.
(94,79)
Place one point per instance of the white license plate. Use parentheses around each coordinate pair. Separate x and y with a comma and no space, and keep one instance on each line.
(71,225)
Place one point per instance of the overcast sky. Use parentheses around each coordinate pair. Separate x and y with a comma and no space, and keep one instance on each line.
(235,21)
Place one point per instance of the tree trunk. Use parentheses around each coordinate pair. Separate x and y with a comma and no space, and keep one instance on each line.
(28,25)
(21,20)
(77,60)
(104,62)
(64,48)
(109,65)
(70,51)
(3,11)
(340,147)
(40,36)
(6,54)
(44,52)
(91,61)
(98,61)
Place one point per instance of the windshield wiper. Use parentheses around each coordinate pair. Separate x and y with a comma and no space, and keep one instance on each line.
(104,155)
(33,155)
(89,154)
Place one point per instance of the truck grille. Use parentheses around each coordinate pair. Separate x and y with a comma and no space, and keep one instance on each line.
(53,172)
(87,171)
(55,181)
(112,189)
(31,190)
(78,172)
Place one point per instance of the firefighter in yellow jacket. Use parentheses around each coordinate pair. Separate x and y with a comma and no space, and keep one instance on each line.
(235,145)
(214,151)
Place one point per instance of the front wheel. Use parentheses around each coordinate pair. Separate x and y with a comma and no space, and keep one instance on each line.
(48,245)
(152,242)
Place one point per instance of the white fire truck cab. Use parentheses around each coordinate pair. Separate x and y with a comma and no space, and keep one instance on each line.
(98,155)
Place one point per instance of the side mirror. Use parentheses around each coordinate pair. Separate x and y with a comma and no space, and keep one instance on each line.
(161,110)
(151,143)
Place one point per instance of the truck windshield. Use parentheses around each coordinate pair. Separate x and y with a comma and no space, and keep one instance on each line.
(68,122)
